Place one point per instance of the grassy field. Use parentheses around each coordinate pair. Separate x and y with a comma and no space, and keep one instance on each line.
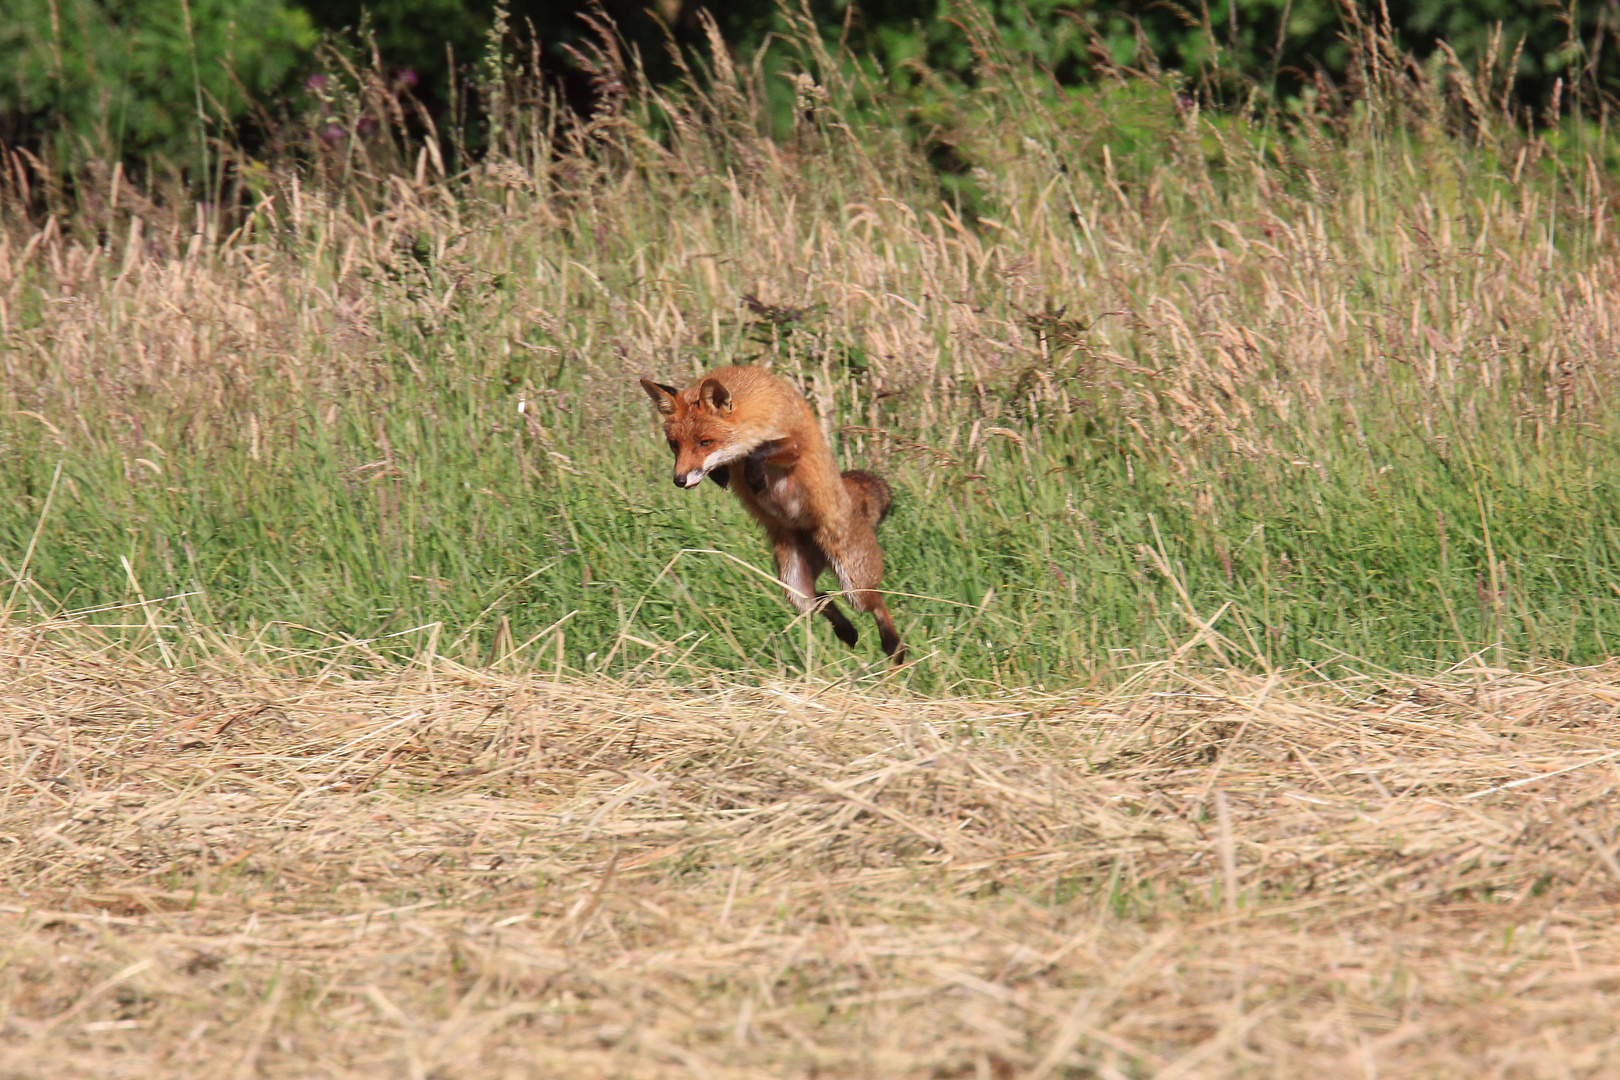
(373,706)
(1342,380)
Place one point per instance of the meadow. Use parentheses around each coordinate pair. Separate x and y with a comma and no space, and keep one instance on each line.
(1341,379)
(374,706)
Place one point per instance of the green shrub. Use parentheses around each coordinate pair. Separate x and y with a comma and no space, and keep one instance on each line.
(128,78)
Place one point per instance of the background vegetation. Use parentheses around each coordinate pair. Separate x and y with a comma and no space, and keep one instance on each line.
(1297,384)
(148,81)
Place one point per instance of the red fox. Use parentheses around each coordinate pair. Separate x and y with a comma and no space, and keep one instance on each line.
(746,429)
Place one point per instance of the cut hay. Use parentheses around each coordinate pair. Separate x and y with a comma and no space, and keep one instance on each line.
(236,869)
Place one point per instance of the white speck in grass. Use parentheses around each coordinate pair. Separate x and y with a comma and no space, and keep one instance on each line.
(523,405)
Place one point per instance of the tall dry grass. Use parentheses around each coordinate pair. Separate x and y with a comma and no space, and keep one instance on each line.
(1262,275)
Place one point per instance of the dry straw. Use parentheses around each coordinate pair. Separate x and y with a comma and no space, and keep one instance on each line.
(230,869)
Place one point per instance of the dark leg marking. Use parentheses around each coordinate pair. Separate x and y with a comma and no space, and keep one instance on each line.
(754,474)
(888,636)
(842,627)
(754,464)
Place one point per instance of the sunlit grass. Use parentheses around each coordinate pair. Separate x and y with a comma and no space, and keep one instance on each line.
(1143,378)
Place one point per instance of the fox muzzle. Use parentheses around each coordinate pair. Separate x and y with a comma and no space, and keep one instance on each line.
(689,479)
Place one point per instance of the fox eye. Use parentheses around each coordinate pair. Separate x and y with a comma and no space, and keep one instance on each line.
(705,442)
(675,446)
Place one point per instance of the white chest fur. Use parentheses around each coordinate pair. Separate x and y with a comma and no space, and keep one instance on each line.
(784,498)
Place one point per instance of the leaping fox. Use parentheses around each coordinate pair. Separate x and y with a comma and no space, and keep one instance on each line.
(748,430)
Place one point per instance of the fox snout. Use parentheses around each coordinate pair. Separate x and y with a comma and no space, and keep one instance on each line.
(691,478)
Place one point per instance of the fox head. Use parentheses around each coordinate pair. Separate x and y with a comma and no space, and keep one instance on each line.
(699,429)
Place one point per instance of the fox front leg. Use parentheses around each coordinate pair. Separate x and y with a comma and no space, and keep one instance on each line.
(798,564)
(782,453)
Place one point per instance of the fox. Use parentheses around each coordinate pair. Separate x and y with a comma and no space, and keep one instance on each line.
(753,432)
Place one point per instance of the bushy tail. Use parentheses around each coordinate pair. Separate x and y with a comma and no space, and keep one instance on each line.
(871,494)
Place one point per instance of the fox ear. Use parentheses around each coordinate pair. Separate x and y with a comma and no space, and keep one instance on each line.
(715,395)
(662,396)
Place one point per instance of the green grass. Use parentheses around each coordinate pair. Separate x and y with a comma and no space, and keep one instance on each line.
(1341,385)
(1050,569)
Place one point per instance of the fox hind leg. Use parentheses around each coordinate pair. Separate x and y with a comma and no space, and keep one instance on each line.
(887,634)
(859,570)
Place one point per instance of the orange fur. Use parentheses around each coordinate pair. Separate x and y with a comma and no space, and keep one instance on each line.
(748,430)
